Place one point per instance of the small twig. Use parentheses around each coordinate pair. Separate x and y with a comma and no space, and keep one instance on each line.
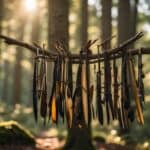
(106,40)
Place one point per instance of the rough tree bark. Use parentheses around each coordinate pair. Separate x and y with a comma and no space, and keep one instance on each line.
(78,138)
(58,22)
(106,28)
(84,22)
(134,17)
(123,20)
(58,26)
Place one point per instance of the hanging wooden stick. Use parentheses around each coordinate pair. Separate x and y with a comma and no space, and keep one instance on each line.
(54,111)
(90,88)
(140,79)
(52,91)
(62,89)
(93,113)
(116,88)
(53,114)
(43,97)
(98,94)
(56,95)
(125,99)
(107,88)
(68,97)
(35,96)
(70,80)
(40,77)
(77,98)
(84,92)
(139,113)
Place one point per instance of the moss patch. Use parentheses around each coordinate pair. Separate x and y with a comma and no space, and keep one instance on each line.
(12,132)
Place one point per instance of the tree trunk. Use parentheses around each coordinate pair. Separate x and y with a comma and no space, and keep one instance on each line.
(6,70)
(4,88)
(58,22)
(84,20)
(17,87)
(78,138)
(106,28)
(5,82)
(1,18)
(58,26)
(35,34)
(123,20)
(1,14)
(134,17)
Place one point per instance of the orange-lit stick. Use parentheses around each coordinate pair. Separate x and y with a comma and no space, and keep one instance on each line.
(140,117)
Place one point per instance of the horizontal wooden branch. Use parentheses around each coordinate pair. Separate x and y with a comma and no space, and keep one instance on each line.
(32,48)
(133,52)
(113,53)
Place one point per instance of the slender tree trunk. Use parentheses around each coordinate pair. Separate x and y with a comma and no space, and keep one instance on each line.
(84,20)
(17,87)
(6,67)
(106,19)
(6,77)
(5,82)
(134,17)
(1,18)
(1,14)
(123,20)
(35,34)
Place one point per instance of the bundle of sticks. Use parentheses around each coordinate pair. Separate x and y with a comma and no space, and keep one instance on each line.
(127,105)
(116,99)
(122,101)
(63,103)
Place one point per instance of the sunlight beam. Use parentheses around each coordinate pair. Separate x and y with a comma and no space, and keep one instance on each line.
(30,5)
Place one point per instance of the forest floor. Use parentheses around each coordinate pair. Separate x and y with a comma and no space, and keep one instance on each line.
(55,143)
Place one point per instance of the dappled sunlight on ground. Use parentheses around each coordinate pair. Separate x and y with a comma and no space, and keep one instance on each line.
(52,132)
(49,143)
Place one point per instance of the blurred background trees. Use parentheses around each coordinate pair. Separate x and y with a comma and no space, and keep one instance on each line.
(70,21)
